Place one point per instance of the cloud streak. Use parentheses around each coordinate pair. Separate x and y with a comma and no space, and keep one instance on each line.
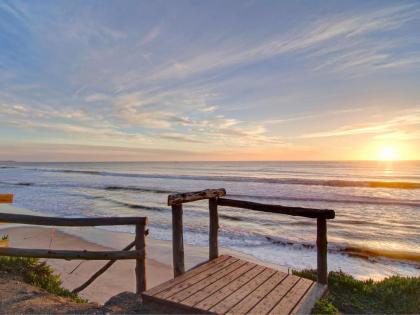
(393,128)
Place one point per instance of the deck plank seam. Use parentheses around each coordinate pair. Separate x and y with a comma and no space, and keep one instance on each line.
(240,266)
(269,292)
(290,289)
(227,296)
(197,282)
(194,283)
(189,277)
(234,279)
(221,288)
(262,283)
(302,297)
(211,270)
(256,288)
(253,306)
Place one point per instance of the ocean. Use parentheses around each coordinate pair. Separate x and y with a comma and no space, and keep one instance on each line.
(376,232)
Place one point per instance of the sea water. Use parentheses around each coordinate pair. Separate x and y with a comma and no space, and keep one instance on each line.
(376,232)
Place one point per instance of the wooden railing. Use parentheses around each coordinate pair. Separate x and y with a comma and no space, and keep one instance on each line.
(215,200)
(139,254)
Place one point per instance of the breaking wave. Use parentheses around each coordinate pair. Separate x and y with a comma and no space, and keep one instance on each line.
(288,181)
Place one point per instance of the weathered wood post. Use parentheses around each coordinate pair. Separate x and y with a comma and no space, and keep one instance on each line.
(140,243)
(177,240)
(321,243)
(213,229)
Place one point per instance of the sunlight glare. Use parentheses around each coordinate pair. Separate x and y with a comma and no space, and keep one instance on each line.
(388,153)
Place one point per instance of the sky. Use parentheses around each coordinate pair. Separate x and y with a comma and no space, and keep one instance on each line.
(209,80)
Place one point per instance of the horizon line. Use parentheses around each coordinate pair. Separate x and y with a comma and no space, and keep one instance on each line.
(209,161)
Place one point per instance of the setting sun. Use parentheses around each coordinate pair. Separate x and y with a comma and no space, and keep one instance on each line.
(389,153)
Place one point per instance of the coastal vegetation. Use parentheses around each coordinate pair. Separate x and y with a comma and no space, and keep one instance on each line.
(392,295)
(37,273)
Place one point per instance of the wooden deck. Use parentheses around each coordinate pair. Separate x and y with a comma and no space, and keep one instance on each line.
(228,285)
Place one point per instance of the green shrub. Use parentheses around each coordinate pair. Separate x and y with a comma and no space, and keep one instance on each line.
(391,295)
(324,306)
(36,273)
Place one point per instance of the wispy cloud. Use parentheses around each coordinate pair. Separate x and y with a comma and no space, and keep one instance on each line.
(332,32)
(391,127)
(151,35)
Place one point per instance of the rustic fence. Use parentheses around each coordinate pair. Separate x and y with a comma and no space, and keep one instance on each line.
(215,200)
(139,254)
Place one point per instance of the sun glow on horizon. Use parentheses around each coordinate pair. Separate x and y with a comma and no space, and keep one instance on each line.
(389,153)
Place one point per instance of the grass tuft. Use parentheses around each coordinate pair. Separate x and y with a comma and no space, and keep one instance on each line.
(36,273)
(392,295)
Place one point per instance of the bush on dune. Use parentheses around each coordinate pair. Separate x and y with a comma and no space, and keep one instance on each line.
(36,273)
(351,296)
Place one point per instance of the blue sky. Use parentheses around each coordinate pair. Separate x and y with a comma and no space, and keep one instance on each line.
(209,80)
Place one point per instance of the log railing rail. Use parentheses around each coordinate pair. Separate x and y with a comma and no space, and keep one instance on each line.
(139,254)
(215,200)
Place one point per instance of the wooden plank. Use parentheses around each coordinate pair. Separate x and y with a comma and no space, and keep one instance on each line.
(190,290)
(196,195)
(321,246)
(140,242)
(271,299)
(295,211)
(226,304)
(187,275)
(252,299)
(177,240)
(6,198)
(213,229)
(316,291)
(70,254)
(219,294)
(212,287)
(292,298)
(193,280)
(39,220)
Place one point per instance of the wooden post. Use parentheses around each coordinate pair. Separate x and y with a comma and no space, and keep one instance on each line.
(140,243)
(321,243)
(213,229)
(177,240)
